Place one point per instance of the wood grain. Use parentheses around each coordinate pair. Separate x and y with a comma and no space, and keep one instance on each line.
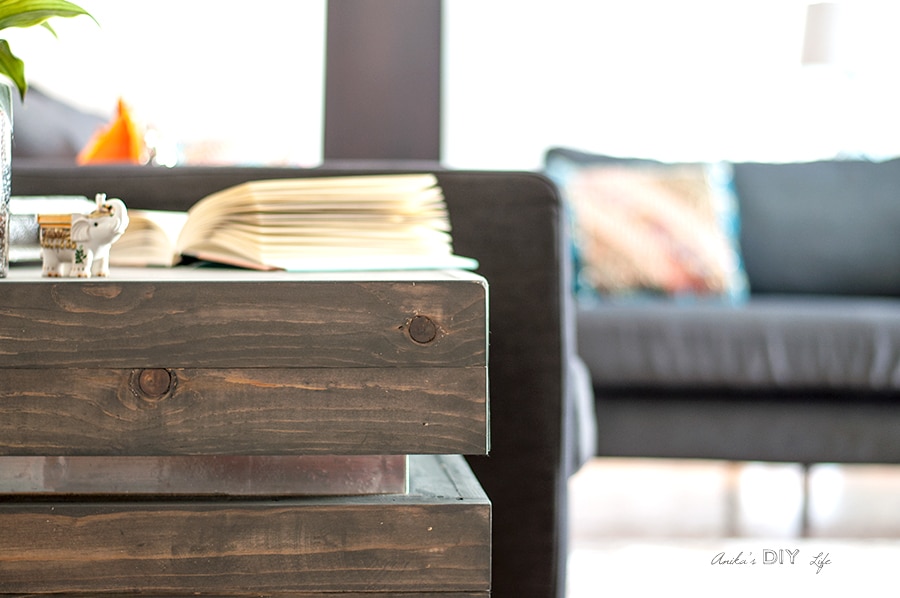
(244,363)
(435,539)
(240,323)
(249,411)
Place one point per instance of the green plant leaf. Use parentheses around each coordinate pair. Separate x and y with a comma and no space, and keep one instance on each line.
(12,67)
(27,13)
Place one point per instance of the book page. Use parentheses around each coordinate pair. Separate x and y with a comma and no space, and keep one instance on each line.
(393,222)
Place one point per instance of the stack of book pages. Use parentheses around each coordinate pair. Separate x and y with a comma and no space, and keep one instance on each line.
(379,222)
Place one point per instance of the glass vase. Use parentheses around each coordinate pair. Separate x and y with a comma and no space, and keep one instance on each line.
(5,174)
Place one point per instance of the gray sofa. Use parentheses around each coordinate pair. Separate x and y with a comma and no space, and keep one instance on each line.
(806,368)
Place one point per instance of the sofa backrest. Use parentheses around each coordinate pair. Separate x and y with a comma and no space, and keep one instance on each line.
(823,227)
(826,227)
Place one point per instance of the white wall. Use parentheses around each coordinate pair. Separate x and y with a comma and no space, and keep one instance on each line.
(673,80)
(669,79)
(246,83)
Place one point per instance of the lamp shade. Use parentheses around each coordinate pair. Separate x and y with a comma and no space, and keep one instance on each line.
(853,36)
(824,37)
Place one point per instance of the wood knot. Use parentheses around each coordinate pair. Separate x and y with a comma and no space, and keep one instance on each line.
(422,329)
(153,384)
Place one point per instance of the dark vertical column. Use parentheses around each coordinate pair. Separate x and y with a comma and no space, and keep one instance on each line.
(383,80)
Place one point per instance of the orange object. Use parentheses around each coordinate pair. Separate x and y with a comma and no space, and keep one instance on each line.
(120,141)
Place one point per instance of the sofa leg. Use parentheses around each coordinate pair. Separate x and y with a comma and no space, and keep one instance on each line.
(732,526)
(733,498)
(805,522)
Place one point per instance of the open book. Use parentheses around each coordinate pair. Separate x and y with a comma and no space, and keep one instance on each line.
(379,222)
(151,239)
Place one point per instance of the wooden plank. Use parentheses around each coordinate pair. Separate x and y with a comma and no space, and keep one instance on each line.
(435,539)
(290,594)
(249,411)
(243,321)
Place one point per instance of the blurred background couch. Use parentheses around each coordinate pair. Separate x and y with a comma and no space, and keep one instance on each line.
(779,342)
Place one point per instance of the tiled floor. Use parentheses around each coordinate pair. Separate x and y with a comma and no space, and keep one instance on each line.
(652,525)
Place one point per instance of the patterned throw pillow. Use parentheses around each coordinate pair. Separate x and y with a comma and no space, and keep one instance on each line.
(645,229)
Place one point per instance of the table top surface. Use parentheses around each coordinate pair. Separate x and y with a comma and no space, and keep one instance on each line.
(205,273)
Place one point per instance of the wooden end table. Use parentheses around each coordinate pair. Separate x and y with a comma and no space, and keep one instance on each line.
(211,431)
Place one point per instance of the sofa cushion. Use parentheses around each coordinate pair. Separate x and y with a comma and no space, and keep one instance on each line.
(772,342)
(828,227)
(647,229)
(50,129)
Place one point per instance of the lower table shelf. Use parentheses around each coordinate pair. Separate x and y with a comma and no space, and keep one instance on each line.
(433,540)
(205,475)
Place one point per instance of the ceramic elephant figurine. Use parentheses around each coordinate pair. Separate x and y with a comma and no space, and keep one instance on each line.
(78,244)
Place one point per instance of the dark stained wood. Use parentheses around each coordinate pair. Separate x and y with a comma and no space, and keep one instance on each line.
(199,361)
(166,364)
(435,539)
(240,322)
(248,411)
(402,594)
